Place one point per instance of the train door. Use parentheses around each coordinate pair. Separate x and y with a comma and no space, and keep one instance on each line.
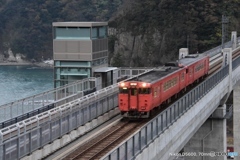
(133,99)
(123,99)
(190,75)
(206,66)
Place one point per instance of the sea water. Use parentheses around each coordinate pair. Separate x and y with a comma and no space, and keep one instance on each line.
(18,82)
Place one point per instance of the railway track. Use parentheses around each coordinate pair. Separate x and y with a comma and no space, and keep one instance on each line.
(103,143)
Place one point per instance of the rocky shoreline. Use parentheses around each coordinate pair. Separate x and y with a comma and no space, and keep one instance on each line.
(38,64)
(18,60)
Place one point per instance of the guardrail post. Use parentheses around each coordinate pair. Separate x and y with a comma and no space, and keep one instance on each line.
(18,139)
(227,60)
(234,39)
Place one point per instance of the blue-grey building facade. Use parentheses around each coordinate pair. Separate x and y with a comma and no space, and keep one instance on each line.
(78,49)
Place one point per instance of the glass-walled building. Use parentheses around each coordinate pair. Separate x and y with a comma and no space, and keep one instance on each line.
(78,49)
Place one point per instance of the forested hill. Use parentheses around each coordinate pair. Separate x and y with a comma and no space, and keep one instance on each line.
(159,28)
(26,26)
(148,32)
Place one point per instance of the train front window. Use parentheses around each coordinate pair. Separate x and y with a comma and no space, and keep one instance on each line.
(144,91)
(133,91)
(123,90)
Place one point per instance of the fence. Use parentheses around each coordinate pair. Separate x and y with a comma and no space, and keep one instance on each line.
(56,96)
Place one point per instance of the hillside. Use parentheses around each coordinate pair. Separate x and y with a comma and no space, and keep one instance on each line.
(26,26)
(148,32)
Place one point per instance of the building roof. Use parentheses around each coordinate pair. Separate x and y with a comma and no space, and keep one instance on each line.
(79,24)
(105,69)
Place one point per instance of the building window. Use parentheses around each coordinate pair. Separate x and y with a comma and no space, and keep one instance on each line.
(102,32)
(94,33)
(73,64)
(99,32)
(72,33)
(105,60)
(57,63)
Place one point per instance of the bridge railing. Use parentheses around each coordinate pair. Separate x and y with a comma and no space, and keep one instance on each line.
(29,106)
(22,138)
(52,97)
(140,140)
(236,63)
(218,49)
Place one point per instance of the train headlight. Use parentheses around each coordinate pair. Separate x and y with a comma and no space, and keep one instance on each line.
(122,84)
(144,84)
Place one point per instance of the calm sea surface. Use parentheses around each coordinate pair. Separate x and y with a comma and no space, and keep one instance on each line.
(17,82)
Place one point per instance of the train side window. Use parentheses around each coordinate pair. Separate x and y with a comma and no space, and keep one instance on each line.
(186,70)
(165,86)
(123,90)
(172,82)
(197,68)
(182,77)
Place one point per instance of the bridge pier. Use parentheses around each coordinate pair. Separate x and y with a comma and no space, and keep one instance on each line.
(210,140)
(236,118)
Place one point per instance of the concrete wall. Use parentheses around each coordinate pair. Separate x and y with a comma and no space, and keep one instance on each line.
(210,138)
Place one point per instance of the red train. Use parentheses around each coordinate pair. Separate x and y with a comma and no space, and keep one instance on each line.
(140,95)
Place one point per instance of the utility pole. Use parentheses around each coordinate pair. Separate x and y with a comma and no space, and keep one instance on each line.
(224,29)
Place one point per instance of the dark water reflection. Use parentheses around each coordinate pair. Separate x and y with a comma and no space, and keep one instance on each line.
(17,82)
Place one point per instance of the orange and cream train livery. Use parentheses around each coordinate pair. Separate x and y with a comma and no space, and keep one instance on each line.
(140,95)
